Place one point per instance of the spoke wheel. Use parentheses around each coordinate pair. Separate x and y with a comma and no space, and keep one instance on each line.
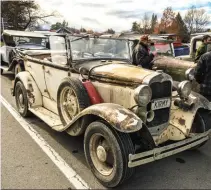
(101,154)
(69,104)
(72,98)
(107,152)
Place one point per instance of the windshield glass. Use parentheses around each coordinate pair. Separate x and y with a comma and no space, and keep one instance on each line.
(163,48)
(91,48)
(29,41)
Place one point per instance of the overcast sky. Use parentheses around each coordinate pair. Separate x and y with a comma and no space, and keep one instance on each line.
(117,14)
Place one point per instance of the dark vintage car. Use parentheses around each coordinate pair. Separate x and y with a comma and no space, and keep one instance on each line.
(18,40)
(129,116)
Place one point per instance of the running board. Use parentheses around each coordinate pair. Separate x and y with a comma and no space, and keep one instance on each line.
(48,117)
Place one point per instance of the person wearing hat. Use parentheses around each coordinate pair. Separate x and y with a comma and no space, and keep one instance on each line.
(202,48)
(141,56)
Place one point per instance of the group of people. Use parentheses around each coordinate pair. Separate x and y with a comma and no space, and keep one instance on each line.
(142,57)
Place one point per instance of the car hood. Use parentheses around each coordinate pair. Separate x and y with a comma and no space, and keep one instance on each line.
(118,71)
(170,62)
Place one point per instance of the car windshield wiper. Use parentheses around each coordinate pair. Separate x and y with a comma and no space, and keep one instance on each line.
(79,38)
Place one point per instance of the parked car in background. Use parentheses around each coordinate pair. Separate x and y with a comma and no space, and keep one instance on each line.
(129,116)
(165,59)
(195,43)
(18,40)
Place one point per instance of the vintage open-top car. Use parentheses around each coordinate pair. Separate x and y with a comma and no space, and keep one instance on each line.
(18,40)
(129,116)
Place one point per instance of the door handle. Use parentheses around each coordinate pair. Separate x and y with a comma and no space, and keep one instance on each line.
(28,65)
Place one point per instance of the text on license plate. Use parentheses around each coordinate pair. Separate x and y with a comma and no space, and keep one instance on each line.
(161,103)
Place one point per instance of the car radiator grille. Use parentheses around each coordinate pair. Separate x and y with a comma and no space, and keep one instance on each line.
(160,90)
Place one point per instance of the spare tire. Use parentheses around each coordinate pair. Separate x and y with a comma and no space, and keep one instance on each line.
(72,98)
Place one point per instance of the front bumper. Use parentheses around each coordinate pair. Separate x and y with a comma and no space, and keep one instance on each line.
(162,152)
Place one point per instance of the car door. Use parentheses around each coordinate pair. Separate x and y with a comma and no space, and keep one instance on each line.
(58,69)
(36,68)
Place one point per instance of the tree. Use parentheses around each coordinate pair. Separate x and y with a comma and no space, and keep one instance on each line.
(196,19)
(135,27)
(154,21)
(110,31)
(145,24)
(182,30)
(59,25)
(22,14)
(82,30)
(167,19)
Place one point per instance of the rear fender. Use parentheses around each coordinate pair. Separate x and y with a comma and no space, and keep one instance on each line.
(118,117)
(33,92)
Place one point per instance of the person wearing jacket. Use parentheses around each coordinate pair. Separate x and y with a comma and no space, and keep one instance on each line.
(202,48)
(141,56)
(203,75)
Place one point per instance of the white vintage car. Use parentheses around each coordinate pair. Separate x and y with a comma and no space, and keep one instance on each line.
(18,40)
(129,116)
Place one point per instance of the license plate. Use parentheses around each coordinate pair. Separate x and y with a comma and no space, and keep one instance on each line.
(161,103)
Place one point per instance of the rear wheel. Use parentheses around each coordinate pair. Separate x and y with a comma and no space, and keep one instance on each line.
(107,153)
(21,99)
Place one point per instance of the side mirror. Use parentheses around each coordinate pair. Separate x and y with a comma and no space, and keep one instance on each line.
(189,74)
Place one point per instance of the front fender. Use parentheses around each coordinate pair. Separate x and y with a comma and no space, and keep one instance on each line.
(33,92)
(183,119)
(117,116)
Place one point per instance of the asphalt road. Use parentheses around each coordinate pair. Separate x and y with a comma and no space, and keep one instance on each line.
(25,166)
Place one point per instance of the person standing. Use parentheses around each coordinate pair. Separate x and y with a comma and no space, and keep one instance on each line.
(202,75)
(202,48)
(141,56)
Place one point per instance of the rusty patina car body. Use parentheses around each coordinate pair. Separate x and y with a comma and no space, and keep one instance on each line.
(89,86)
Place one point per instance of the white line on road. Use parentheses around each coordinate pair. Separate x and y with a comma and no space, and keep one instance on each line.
(70,174)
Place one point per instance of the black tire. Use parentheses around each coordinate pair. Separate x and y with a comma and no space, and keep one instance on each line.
(121,146)
(1,71)
(18,68)
(80,92)
(22,109)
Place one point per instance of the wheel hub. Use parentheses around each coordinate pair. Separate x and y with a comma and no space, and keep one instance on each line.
(101,153)
(21,98)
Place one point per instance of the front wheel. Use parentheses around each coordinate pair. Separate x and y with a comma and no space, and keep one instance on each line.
(107,153)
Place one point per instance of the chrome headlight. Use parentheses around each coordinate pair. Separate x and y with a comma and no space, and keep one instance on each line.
(143,95)
(184,89)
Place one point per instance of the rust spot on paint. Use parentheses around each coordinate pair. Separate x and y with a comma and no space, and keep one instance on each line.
(181,121)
